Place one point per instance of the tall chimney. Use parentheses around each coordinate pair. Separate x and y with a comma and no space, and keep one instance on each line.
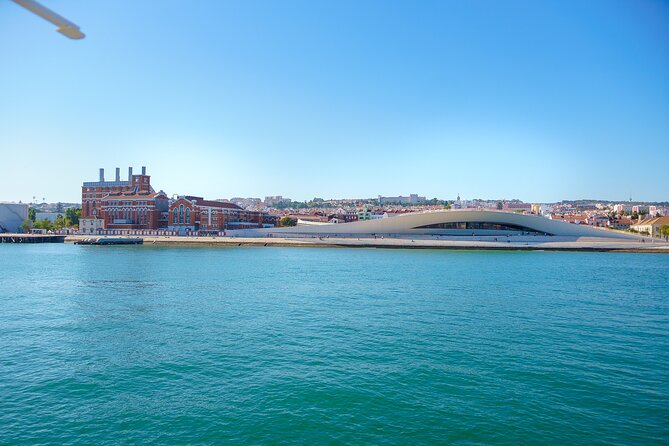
(102,174)
(129,173)
(118,174)
(143,170)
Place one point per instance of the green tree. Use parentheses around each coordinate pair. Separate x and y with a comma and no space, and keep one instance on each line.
(664,230)
(32,214)
(44,224)
(72,215)
(500,206)
(60,222)
(26,225)
(287,221)
(448,206)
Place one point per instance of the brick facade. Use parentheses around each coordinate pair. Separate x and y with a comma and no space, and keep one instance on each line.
(135,211)
(123,204)
(133,205)
(195,214)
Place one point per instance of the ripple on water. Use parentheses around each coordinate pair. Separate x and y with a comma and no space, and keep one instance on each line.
(252,345)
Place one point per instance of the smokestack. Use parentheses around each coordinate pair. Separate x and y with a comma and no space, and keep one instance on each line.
(118,174)
(129,173)
(143,170)
(102,174)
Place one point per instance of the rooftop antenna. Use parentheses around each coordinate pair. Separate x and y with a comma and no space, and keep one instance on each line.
(65,27)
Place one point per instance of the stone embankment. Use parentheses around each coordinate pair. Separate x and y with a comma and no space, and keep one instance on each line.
(539,244)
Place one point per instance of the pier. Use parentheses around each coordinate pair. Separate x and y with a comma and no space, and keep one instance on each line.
(31,238)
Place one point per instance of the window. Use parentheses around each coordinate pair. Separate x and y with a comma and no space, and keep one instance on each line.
(477,225)
(188,215)
(174,217)
(181,214)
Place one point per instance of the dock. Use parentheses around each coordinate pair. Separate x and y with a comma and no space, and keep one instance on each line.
(31,238)
(110,241)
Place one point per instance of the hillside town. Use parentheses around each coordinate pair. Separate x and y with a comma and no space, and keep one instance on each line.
(131,205)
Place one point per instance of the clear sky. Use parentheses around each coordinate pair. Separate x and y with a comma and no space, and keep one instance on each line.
(537,100)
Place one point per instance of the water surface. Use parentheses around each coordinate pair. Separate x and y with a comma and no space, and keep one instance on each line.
(108,345)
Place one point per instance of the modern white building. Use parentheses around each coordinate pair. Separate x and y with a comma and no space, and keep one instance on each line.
(465,223)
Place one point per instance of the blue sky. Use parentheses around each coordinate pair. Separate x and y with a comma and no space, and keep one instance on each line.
(534,100)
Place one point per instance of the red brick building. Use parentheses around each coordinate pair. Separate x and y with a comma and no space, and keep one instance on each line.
(92,192)
(143,210)
(130,204)
(190,214)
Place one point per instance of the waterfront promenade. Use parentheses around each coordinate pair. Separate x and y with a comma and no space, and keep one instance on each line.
(491,243)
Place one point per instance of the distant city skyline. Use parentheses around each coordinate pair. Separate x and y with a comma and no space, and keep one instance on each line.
(110,175)
(540,101)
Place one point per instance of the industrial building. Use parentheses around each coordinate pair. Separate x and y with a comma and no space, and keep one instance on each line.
(122,205)
(12,215)
(132,206)
(189,214)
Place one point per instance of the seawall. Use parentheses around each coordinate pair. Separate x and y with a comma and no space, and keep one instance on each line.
(581,244)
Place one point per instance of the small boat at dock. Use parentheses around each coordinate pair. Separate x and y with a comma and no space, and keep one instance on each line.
(110,241)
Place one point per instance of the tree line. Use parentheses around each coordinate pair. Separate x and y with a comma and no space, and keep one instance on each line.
(67,219)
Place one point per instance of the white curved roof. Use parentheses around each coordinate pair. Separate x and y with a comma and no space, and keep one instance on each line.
(408,224)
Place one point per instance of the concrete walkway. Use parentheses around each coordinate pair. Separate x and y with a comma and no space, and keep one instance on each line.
(538,243)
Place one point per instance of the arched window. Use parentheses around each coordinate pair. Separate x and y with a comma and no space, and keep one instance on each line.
(188,215)
(174,217)
(181,214)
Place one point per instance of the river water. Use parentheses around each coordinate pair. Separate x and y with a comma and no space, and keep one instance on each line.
(203,345)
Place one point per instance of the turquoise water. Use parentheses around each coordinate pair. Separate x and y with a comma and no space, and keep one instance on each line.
(146,345)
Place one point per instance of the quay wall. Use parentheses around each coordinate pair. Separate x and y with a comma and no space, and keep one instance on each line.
(554,244)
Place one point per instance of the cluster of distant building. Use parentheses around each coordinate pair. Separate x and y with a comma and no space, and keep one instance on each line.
(647,219)
(131,206)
